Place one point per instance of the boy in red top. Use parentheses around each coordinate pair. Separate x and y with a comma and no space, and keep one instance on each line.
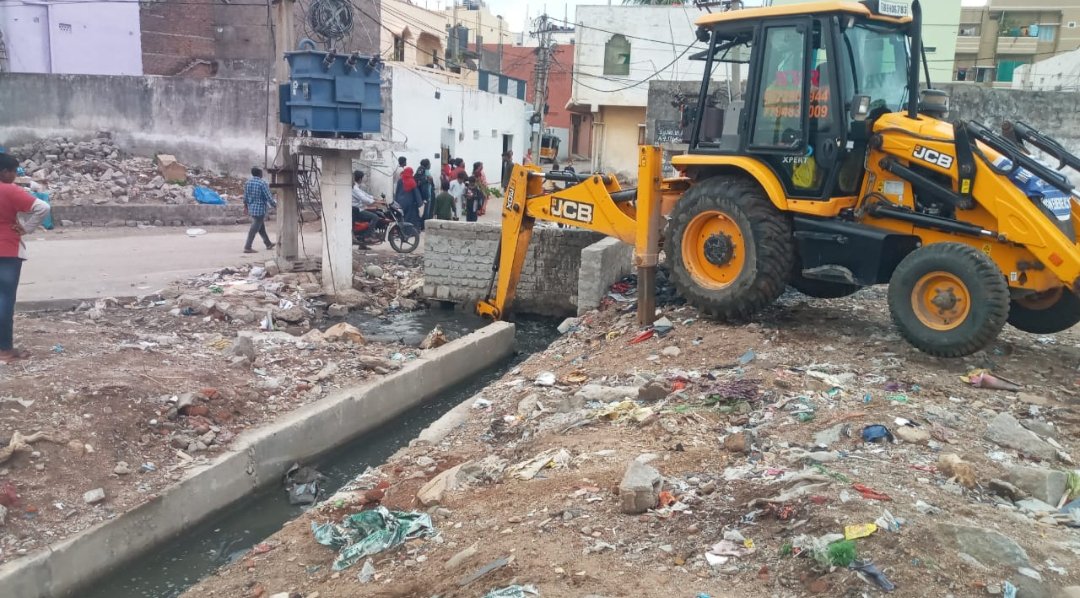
(14,201)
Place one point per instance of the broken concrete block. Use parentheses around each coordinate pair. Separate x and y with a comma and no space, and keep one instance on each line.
(432,492)
(272,268)
(171,168)
(94,496)
(344,332)
(1005,431)
(1047,485)
(337,310)
(639,490)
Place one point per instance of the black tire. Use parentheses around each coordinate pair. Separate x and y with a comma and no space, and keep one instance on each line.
(985,287)
(769,248)
(404,238)
(1054,317)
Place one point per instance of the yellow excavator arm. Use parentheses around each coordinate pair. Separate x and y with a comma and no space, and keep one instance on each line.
(593,202)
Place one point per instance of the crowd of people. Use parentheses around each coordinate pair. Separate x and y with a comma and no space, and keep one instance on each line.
(450,193)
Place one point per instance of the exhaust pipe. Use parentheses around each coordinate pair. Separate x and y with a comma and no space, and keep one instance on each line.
(916,53)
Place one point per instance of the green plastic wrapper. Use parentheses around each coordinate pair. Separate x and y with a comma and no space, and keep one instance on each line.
(370,532)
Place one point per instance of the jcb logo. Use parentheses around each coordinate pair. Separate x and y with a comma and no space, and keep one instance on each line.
(510,197)
(571,210)
(932,156)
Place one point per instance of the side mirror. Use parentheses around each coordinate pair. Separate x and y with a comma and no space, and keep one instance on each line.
(860,108)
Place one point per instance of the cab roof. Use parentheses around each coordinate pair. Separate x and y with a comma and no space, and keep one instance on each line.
(802,8)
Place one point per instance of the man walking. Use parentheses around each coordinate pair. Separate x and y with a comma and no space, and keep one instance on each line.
(257,201)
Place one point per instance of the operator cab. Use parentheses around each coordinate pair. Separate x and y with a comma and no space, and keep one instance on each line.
(794,86)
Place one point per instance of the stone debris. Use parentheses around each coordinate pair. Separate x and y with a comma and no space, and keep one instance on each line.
(639,490)
(95,171)
(1007,432)
(94,496)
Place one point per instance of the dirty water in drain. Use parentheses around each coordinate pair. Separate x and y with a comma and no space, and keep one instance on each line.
(178,564)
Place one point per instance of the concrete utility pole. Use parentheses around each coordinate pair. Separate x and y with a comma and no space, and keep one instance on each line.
(289,213)
(540,80)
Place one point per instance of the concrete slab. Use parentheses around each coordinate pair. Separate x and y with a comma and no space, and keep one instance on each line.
(256,459)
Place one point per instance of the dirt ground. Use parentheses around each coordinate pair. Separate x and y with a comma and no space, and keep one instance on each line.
(563,532)
(129,396)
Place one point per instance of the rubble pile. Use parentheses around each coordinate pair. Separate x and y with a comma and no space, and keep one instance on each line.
(96,172)
(703,459)
(122,397)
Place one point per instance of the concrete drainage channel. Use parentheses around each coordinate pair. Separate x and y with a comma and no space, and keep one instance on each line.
(257,460)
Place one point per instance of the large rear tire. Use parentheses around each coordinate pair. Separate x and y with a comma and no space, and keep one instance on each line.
(729,248)
(1046,313)
(948,299)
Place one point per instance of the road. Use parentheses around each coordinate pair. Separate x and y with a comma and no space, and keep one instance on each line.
(89,263)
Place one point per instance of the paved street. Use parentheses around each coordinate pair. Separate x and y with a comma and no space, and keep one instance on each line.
(87,263)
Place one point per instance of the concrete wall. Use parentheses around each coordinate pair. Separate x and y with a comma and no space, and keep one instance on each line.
(602,263)
(458,258)
(1057,73)
(255,460)
(617,131)
(217,124)
(75,37)
(157,215)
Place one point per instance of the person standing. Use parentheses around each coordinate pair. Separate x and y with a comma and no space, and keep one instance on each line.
(474,199)
(396,176)
(507,168)
(257,202)
(444,204)
(407,195)
(14,201)
(457,190)
(427,190)
(482,185)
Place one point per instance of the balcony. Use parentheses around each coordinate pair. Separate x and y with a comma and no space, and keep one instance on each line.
(1017,45)
(967,44)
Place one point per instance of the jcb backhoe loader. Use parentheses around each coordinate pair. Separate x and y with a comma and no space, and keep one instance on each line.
(827,169)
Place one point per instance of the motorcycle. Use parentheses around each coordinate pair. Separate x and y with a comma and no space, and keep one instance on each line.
(390,226)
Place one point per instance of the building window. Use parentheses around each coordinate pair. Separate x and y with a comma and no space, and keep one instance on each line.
(617,56)
(1047,33)
(399,49)
(969,31)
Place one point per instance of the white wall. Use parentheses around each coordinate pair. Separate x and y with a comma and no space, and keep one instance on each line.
(1057,73)
(72,37)
(418,119)
(670,29)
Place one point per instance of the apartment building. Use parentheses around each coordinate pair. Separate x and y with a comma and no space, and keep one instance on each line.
(993,40)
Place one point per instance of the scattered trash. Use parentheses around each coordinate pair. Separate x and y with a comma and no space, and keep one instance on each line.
(868,569)
(842,553)
(888,522)
(488,568)
(861,530)
(303,484)
(514,591)
(643,336)
(870,493)
(481,403)
(58,348)
(435,338)
(723,551)
(206,195)
(747,357)
(663,326)
(367,572)
(1008,590)
(987,379)
(195,232)
(545,379)
(876,432)
(370,532)
(550,459)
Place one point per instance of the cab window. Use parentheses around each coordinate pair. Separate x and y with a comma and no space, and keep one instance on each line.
(779,118)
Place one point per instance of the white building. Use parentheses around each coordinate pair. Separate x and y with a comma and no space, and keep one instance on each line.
(72,37)
(618,50)
(440,117)
(1057,73)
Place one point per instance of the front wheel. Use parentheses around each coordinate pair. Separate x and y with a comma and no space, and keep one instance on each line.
(730,249)
(403,237)
(1045,313)
(948,299)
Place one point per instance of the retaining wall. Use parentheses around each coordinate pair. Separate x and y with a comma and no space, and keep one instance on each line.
(256,459)
(158,215)
(212,123)
(458,257)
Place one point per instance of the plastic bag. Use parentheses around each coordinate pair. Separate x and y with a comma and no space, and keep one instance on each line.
(207,195)
(513,592)
(371,532)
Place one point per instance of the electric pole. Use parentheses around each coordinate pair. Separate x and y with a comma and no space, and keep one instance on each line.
(540,78)
(283,162)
